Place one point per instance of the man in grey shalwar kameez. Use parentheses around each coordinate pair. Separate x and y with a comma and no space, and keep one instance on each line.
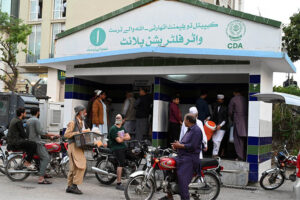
(238,111)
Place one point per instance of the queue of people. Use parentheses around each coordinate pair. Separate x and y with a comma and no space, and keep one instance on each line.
(137,113)
(228,120)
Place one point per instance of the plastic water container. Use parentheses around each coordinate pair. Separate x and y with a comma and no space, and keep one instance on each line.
(209,128)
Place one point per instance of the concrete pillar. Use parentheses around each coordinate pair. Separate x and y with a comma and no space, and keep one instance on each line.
(53,85)
(259,125)
(160,114)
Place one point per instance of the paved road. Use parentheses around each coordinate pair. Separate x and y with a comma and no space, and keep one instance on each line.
(30,190)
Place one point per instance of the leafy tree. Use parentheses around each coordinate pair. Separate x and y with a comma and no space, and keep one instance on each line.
(286,122)
(291,38)
(13,32)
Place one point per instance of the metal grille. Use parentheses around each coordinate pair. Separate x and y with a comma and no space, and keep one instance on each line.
(55,116)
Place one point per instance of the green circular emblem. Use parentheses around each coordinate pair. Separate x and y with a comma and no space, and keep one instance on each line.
(97,37)
(236,30)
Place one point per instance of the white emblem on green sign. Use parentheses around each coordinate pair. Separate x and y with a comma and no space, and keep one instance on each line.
(97,37)
(236,30)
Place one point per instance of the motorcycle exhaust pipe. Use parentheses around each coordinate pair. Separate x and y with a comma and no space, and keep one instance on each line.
(95,169)
(21,171)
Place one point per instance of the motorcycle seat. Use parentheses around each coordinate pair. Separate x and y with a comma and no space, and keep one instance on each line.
(105,150)
(209,162)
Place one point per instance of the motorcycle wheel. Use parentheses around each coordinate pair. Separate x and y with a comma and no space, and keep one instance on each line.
(2,162)
(135,190)
(13,164)
(108,166)
(211,189)
(271,180)
(65,168)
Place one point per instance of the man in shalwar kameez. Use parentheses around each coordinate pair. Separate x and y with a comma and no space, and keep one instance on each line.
(77,158)
(238,111)
(187,161)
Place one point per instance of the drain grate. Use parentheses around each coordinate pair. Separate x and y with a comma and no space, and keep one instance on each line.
(240,187)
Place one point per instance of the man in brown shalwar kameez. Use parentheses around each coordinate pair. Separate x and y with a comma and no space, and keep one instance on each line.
(238,111)
(77,158)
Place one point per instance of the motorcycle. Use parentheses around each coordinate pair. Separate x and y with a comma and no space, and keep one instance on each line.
(3,151)
(3,155)
(273,178)
(16,171)
(106,166)
(143,184)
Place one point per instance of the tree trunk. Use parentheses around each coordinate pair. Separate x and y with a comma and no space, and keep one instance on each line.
(12,106)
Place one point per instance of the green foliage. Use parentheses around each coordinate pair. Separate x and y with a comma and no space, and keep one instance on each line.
(294,90)
(13,32)
(286,122)
(291,38)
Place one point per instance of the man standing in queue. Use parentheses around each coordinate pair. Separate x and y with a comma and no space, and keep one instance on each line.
(117,136)
(175,120)
(143,109)
(238,111)
(77,158)
(220,117)
(202,106)
(187,161)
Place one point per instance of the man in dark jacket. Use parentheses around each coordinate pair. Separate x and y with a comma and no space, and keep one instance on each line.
(17,138)
(202,106)
(143,109)
(220,117)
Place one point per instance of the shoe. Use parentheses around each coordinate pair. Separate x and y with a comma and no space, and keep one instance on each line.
(68,190)
(120,187)
(73,189)
(45,182)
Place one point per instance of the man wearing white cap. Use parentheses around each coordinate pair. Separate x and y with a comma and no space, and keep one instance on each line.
(220,117)
(194,111)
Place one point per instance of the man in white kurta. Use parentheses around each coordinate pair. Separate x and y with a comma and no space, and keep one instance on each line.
(194,111)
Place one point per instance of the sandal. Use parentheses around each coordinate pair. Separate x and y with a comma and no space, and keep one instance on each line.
(48,176)
(45,182)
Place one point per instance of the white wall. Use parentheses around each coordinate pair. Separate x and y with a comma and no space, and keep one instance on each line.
(53,86)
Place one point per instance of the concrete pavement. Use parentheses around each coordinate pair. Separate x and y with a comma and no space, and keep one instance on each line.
(30,190)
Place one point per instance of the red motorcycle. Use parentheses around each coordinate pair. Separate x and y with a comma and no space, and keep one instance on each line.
(143,184)
(16,171)
(273,178)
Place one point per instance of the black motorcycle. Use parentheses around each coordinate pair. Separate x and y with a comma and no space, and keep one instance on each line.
(106,166)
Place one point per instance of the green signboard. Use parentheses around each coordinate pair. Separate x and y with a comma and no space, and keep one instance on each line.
(61,75)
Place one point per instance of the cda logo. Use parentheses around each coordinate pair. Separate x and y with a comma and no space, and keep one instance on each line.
(97,37)
(235,31)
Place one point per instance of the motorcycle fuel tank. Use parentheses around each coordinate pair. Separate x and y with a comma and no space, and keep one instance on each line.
(53,147)
(167,163)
